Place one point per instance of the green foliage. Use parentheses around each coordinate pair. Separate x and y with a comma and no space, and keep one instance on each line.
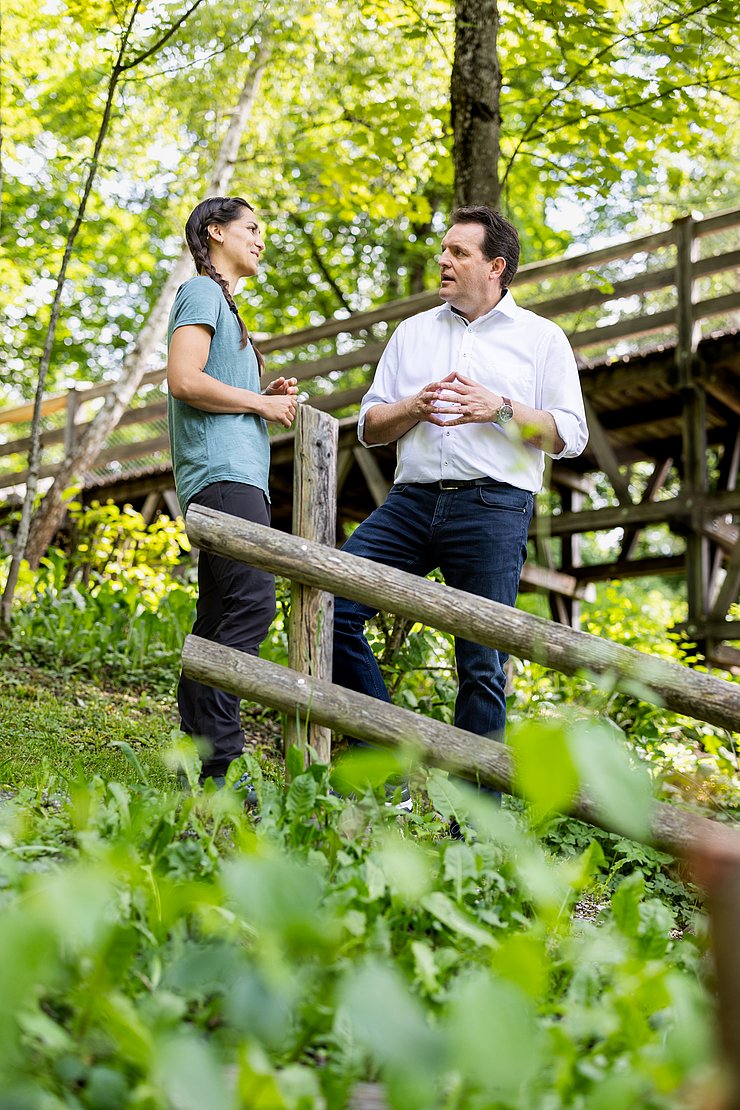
(161,950)
(112,607)
(613,111)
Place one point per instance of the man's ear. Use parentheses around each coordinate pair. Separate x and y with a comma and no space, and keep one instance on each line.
(498,265)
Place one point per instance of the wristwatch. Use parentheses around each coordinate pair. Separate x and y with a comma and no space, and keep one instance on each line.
(505,411)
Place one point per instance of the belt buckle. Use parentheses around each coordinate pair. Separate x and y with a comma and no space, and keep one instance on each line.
(448,484)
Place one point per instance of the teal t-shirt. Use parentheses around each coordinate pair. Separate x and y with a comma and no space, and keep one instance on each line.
(213,446)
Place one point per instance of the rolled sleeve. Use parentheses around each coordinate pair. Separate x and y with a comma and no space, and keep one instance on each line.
(384,388)
(562,396)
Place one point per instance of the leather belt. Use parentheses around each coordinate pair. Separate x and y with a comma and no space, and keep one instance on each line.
(460,483)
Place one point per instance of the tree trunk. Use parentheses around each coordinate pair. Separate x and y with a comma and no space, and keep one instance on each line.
(475,109)
(34,454)
(51,511)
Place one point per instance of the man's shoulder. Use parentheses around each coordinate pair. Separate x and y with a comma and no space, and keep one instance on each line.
(422,321)
(542,324)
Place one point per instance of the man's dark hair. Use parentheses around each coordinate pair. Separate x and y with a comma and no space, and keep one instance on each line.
(501,239)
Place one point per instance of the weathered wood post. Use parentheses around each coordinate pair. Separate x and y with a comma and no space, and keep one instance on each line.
(312,610)
(716,867)
(695,477)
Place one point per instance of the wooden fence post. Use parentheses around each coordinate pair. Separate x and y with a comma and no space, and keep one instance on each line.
(695,481)
(716,867)
(312,610)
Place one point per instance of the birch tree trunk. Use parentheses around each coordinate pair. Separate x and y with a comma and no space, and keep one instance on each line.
(34,454)
(83,455)
(475,91)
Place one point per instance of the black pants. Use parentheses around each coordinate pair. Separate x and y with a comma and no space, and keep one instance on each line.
(236,605)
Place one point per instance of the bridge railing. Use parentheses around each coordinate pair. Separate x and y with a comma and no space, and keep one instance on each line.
(656,289)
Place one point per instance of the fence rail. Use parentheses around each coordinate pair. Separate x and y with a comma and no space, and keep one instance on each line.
(557,646)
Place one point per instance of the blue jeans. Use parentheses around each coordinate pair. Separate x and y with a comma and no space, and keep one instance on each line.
(478,539)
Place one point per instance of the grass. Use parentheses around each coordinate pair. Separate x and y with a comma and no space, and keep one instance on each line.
(56,729)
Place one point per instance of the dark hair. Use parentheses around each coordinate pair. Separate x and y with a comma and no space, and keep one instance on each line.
(216,210)
(501,239)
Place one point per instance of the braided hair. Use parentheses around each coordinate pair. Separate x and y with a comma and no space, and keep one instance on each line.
(217,210)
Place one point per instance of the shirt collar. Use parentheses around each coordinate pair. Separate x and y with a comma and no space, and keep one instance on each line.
(507,306)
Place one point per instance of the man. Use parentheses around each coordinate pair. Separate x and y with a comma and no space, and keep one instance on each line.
(471,447)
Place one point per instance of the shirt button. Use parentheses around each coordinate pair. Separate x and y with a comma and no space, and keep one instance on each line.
(448,433)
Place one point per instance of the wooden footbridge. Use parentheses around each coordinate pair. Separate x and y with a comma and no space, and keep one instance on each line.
(653,322)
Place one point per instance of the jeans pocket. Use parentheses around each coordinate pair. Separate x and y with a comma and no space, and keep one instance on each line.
(508,500)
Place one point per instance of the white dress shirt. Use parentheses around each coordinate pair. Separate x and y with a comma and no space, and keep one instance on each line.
(510,350)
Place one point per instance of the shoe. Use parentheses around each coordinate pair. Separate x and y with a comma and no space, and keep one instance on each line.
(399,798)
(243,786)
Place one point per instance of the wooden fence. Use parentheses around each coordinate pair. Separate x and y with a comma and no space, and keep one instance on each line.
(305,694)
(661,286)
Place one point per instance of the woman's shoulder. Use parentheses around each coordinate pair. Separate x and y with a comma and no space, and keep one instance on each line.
(198,301)
(200,288)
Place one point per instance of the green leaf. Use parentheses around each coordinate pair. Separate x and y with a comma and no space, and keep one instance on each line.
(615,781)
(493,1035)
(301,797)
(295,762)
(626,904)
(455,919)
(544,770)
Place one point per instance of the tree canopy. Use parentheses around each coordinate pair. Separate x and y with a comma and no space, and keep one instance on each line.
(620,112)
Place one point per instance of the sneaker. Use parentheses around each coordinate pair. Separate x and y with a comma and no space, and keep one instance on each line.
(243,786)
(399,798)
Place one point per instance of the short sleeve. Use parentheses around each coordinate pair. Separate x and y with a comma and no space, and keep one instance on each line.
(198,301)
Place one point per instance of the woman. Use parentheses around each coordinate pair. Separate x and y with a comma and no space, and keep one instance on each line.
(220,451)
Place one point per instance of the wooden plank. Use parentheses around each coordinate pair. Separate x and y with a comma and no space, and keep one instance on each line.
(376,482)
(303,371)
(122,451)
(311,622)
(718,872)
(719,532)
(631,568)
(621,516)
(656,321)
(722,655)
(646,282)
(687,252)
(555,581)
(145,414)
(708,225)
(345,462)
(330,402)
(450,610)
(729,591)
(655,483)
(601,449)
(22,414)
(420,302)
(724,390)
(173,505)
(380,723)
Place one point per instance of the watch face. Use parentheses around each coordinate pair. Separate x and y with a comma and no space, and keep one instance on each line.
(504,413)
